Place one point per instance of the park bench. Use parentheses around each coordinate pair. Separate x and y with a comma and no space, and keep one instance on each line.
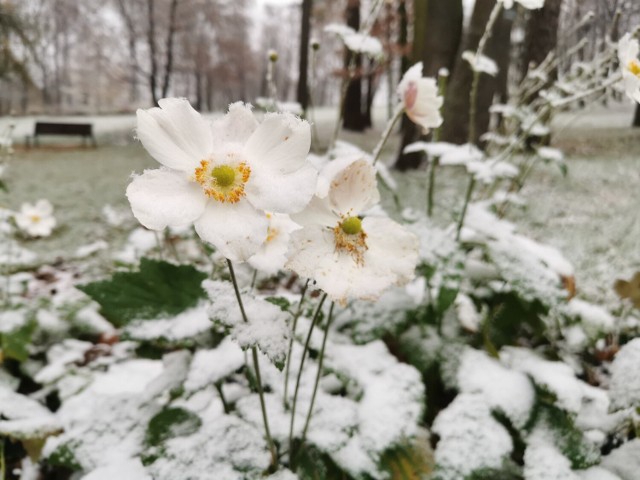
(85,130)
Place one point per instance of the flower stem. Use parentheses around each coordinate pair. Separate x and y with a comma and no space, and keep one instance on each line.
(3,471)
(256,367)
(432,185)
(315,385)
(473,94)
(387,132)
(343,96)
(293,332)
(467,199)
(295,393)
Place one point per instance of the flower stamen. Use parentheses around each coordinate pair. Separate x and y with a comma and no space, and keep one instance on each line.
(634,67)
(350,238)
(224,183)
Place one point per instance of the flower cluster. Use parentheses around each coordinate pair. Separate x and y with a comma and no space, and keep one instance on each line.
(238,180)
(628,49)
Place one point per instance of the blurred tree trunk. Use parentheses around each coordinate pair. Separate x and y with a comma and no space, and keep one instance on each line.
(437,30)
(353,115)
(168,66)
(636,117)
(305,32)
(542,32)
(455,128)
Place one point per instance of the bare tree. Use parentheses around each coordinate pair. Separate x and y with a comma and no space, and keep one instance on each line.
(303,70)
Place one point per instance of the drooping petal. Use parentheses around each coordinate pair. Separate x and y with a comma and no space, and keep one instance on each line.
(237,230)
(235,127)
(354,189)
(165,198)
(273,254)
(282,193)
(175,134)
(282,141)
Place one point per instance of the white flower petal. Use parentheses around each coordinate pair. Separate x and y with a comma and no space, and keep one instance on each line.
(273,254)
(318,212)
(175,134)
(283,193)
(237,230)
(354,189)
(236,126)
(282,141)
(163,197)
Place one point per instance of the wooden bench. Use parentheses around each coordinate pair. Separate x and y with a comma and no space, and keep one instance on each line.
(85,130)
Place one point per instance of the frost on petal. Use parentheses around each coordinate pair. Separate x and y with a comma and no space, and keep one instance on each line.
(237,230)
(481,64)
(236,126)
(281,141)
(175,134)
(266,328)
(163,198)
(271,190)
(354,189)
(273,254)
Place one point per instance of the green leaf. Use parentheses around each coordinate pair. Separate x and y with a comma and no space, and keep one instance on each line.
(446,297)
(64,457)
(15,343)
(170,423)
(3,186)
(158,288)
(281,302)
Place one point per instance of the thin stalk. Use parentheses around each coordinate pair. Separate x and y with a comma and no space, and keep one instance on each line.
(256,367)
(467,199)
(293,333)
(318,375)
(343,97)
(443,77)
(387,132)
(295,393)
(473,95)
(3,469)
(160,245)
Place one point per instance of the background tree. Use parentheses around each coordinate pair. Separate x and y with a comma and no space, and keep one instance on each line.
(302,94)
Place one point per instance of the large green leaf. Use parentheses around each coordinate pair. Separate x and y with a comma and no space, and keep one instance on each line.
(15,344)
(170,423)
(158,288)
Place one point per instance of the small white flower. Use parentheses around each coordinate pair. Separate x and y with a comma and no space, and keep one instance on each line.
(628,49)
(273,253)
(347,255)
(481,64)
(221,177)
(420,98)
(356,42)
(530,4)
(36,220)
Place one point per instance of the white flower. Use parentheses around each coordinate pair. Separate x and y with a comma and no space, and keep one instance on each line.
(530,4)
(482,63)
(420,98)
(628,54)
(36,220)
(222,176)
(273,254)
(356,42)
(347,255)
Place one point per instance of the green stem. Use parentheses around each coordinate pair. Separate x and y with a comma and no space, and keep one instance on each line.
(473,95)
(432,185)
(3,472)
(293,333)
(318,375)
(467,199)
(387,132)
(298,378)
(256,367)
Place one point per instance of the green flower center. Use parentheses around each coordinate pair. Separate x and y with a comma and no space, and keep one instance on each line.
(224,175)
(352,226)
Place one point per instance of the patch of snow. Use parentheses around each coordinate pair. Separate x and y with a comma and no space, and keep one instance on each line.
(625,378)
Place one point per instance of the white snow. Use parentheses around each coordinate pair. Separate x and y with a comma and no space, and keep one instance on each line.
(625,376)
(211,366)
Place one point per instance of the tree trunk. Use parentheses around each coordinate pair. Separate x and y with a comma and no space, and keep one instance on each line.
(437,31)
(353,116)
(455,128)
(168,66)
(151,40)
(542,32)
(636,117)
(305,32)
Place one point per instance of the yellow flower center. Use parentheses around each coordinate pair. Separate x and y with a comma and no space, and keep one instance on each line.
(224,175)
(35,218)
(352,225)
(350,238)
(634,67)
(225,182)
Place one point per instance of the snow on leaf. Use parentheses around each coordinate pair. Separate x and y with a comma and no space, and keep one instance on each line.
(266,328)
(157,288)
(625,381)
(211,366)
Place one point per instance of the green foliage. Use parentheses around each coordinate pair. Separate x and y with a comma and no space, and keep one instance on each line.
(511,318)
(509,472)
(170,423)
(410,461)
(314,465)
(64,457)
(15,344)
(158,288)
(281,302)
(3,186)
